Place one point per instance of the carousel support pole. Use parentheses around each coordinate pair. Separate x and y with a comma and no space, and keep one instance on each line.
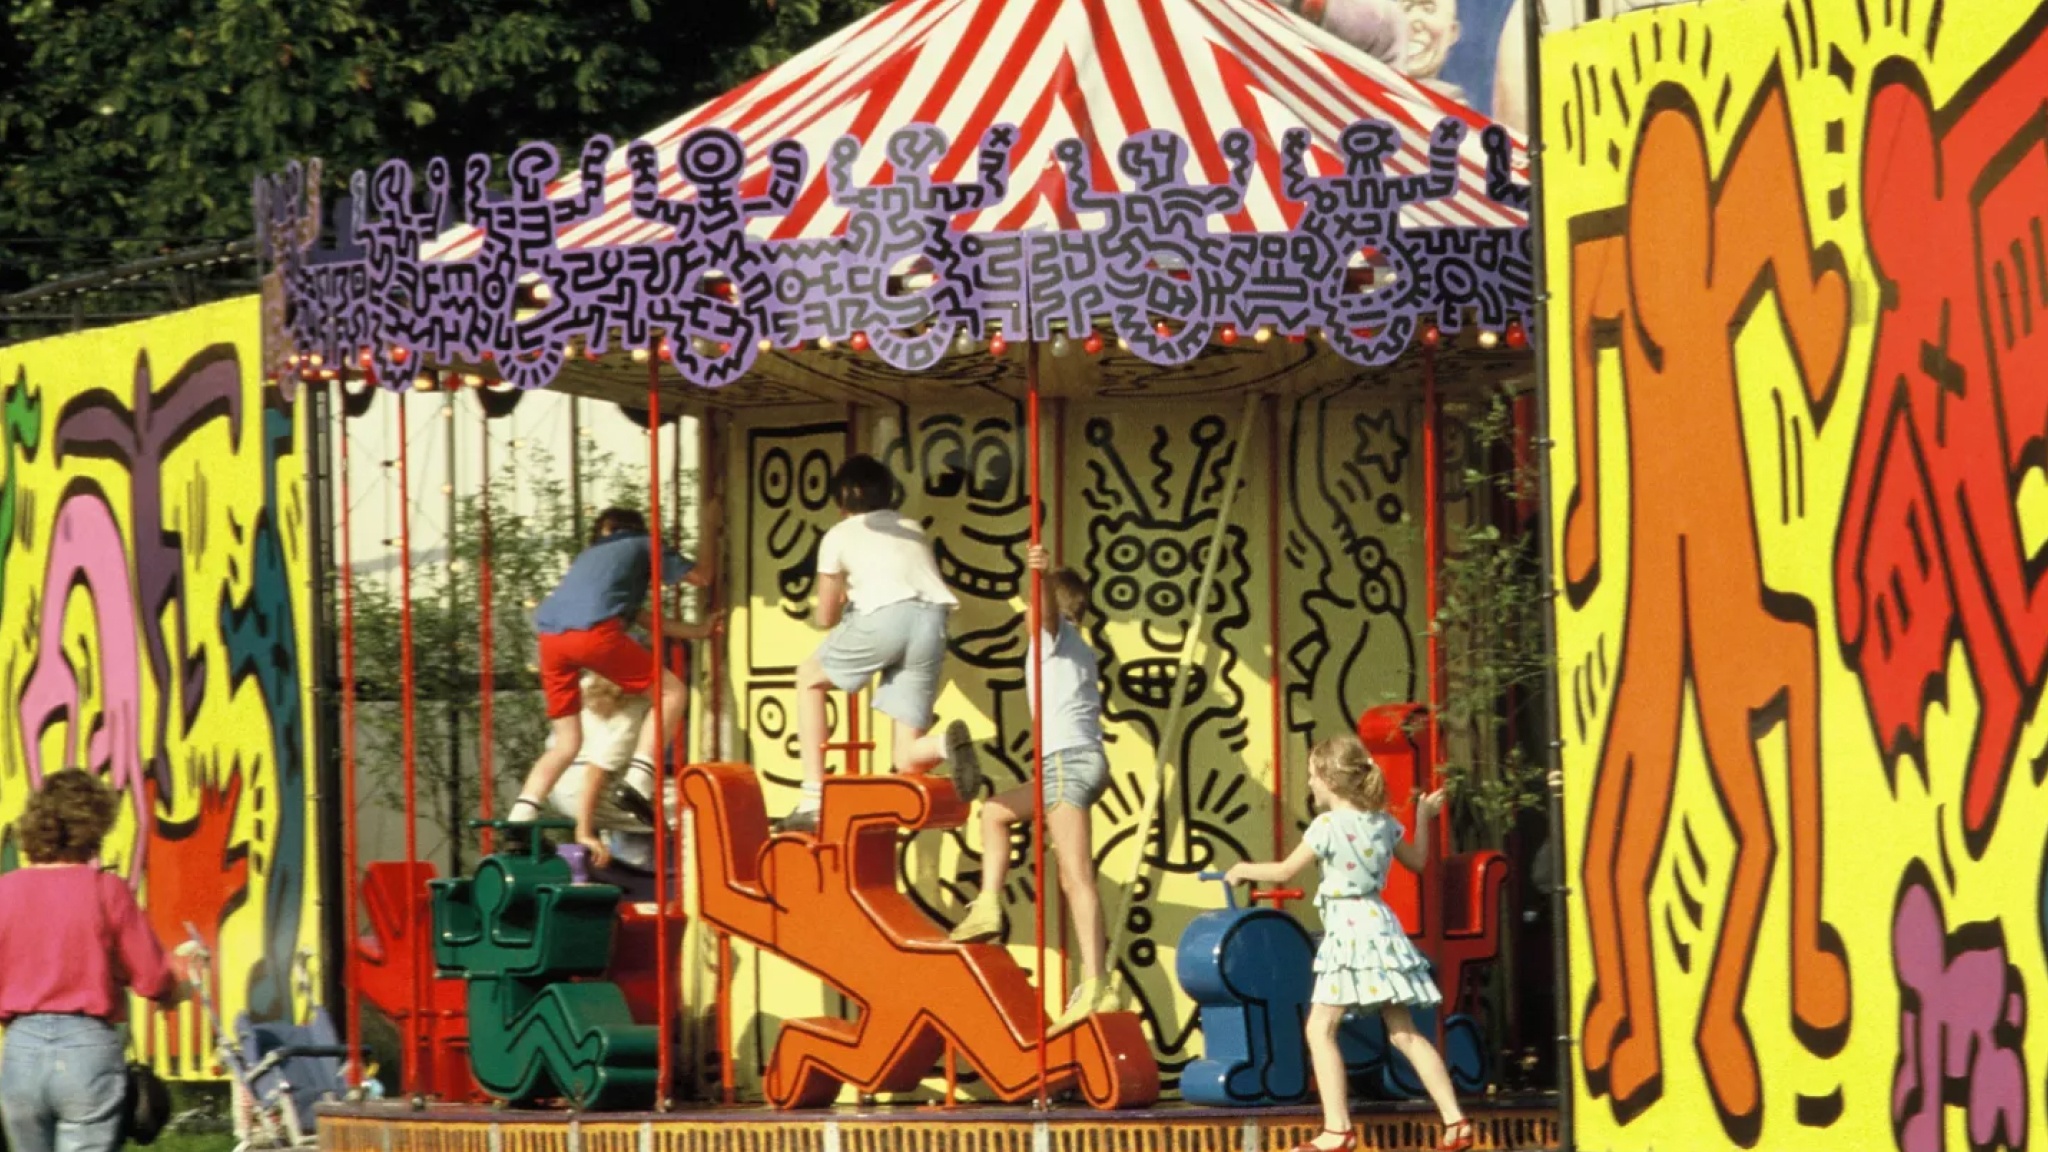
(712,485)
(452,714)
(1170,733)
(414,1068)
(725,1073)
(664,995)
(351,962)
(1059,556)
(1275,634)
(1546,543)
(576,463)
(1036,623)
(487,673)
(1432,552)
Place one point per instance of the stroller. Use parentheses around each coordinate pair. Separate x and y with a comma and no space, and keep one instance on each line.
(280,1072)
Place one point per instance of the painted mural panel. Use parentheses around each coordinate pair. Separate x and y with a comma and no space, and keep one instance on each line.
(1133,496)
(155,593)
(1800,297)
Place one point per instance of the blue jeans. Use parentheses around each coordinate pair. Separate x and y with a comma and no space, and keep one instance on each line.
(62,1084)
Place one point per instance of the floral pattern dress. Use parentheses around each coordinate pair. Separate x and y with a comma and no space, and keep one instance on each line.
(1366,959)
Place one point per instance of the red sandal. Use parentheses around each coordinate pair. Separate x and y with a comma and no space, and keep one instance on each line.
(1350,1143)
(1457,1137)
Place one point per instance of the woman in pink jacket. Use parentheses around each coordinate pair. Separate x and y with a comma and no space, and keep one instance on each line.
(73,942)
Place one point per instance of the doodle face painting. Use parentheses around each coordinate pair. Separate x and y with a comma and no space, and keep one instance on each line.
(1800,291)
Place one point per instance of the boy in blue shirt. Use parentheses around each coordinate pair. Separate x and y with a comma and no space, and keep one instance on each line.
(582,626)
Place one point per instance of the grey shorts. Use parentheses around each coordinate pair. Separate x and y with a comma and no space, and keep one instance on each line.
(1076,776)
(905,642)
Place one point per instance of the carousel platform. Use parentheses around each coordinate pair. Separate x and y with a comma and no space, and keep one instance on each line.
(1505,1124)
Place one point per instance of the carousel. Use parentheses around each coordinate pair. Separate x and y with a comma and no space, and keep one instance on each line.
(1179,290)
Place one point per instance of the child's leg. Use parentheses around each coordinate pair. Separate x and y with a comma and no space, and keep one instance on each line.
(540,780)
(1332,1086)
(561,681)
(1429,1065)
(1073,846)
(984,919)
(811,686)
(673,701)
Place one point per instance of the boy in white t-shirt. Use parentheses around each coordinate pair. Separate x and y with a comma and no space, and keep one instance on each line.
(880,593)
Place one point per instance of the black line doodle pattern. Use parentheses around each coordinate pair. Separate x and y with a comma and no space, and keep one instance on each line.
(1350,268)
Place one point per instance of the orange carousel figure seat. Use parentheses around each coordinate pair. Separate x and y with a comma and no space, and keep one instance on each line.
(829,903)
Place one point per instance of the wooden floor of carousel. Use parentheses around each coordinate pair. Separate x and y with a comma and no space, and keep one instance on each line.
(1508,1123)
(550,1003)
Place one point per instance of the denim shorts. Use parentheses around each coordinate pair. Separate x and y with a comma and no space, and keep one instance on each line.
(1076,776)
(906,643)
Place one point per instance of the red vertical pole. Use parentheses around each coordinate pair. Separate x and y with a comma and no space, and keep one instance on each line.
(664,1004)
(1037,625)
(1059,556)
(414,1068)
(712,486)
(351,968)
(1276,635)
(487,685)
(1432,547)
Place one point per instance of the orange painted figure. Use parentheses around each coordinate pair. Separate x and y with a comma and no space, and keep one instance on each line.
(829,903)
(1931,552)
(1669,280)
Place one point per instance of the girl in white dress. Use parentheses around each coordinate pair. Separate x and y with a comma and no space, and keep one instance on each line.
(1366,962)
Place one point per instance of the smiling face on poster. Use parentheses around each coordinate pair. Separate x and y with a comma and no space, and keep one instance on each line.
(1432,33)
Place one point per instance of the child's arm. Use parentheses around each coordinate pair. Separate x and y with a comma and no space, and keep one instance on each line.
(831,598)
(674,629)
(1277,872)
(1415,853)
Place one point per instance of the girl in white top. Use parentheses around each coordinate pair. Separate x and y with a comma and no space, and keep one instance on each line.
(1073,775)
(880,593)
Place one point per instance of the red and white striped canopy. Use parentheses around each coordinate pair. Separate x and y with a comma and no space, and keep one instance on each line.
(1094,70)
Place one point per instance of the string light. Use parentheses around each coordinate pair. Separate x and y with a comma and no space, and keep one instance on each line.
(765,344)
(997,345)
(825,344)
(1123,344)
(1264,334)
(400,355)
(1488,338)
(1518,337)
(639,355)
(1093,344)
(858,342)
(1227,334)
(963,343)
(1431,337)
(1060,344)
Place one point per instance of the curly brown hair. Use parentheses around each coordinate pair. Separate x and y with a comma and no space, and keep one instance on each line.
(1350,772)
(66,819)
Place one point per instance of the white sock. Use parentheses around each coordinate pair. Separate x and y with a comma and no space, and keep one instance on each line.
(809,796)
(640,777)
(534,811)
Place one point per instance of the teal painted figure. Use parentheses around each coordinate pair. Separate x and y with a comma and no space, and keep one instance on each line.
(519,931)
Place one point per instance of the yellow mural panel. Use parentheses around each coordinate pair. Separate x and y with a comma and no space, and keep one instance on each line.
(1799,304)
(155,587)
(1330,485)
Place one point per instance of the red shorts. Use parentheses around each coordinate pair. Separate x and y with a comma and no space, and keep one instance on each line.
(608,650)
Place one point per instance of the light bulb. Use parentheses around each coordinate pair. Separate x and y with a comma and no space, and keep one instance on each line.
(639,355)
(1228,334)
(1059,344)
(765,344)
(824,343)
(1264,334)
(997,345)
(1488,338)
(1093,344)
(963,343)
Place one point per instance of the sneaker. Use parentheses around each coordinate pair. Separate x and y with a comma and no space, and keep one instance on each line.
(633,804)
(984,921)
(1085,1002)
(801,820)
(963,763)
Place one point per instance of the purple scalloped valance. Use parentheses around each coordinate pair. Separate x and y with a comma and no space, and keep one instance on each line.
(901,274)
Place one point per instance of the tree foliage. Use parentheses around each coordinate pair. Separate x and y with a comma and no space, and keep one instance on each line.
(129,128)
